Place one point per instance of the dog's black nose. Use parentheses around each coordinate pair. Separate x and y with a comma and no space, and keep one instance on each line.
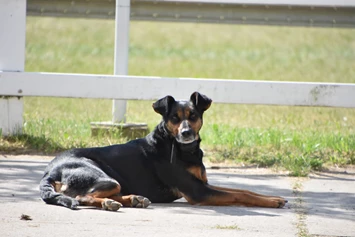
(186,132)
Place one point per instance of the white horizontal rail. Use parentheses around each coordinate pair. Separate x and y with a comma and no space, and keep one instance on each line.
(315,13)
(151,88)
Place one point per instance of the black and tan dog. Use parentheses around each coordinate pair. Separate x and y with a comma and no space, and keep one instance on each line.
(162,167)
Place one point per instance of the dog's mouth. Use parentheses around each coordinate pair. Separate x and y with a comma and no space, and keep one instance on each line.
(186,139)
(183,141)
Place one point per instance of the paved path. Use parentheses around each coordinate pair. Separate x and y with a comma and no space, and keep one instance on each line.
(322,205)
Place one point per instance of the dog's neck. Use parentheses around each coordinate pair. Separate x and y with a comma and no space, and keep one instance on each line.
(190,147)
(188,153)
(163,131)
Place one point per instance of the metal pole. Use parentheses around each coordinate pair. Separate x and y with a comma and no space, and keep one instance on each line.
(12,58)
(121,54)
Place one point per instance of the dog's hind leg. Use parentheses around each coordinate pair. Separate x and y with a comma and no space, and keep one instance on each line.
(51,196)
(99,196)
(132,200)
(106,195)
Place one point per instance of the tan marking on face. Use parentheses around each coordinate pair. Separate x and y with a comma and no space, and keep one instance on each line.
(173,128)
(196,126)
(180,114)
(187,113)
(184,116)
(176,128)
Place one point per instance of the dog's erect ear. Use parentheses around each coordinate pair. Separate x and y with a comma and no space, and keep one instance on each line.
(163,105)
(201,102)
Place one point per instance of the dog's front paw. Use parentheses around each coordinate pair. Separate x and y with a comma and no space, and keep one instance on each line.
(139,201)
(280,202)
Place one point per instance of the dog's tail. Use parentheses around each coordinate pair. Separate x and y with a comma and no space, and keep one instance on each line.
(50,196)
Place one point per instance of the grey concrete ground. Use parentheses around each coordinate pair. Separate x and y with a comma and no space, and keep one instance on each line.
(322,205)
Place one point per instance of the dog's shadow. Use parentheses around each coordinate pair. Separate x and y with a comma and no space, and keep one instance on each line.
(181,206)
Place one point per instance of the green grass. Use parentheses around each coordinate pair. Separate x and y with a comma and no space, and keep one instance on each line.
(299,139)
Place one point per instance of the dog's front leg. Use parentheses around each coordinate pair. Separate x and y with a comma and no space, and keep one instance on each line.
(233,190)
(241,198)
(197,192)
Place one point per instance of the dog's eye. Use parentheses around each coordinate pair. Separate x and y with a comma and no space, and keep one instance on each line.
(175,118)
(193,117)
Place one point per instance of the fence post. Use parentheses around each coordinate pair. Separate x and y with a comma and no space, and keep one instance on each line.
(12,58)
(121,54)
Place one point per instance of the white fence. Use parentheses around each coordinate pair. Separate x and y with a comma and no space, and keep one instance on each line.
(151,88)
(326,13)
(14,83)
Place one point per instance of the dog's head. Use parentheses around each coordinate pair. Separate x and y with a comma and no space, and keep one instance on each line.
(183,119)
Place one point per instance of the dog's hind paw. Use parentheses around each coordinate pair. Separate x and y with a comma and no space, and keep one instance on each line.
(68,202)
(111,205)
(74,205)
(139,201)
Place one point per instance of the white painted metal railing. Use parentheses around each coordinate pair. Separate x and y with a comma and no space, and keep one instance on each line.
(14,83)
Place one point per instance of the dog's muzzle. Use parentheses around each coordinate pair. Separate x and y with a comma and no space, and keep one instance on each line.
(186,136)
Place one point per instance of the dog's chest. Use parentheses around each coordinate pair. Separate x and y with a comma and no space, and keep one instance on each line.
(176,193)
(199,172)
